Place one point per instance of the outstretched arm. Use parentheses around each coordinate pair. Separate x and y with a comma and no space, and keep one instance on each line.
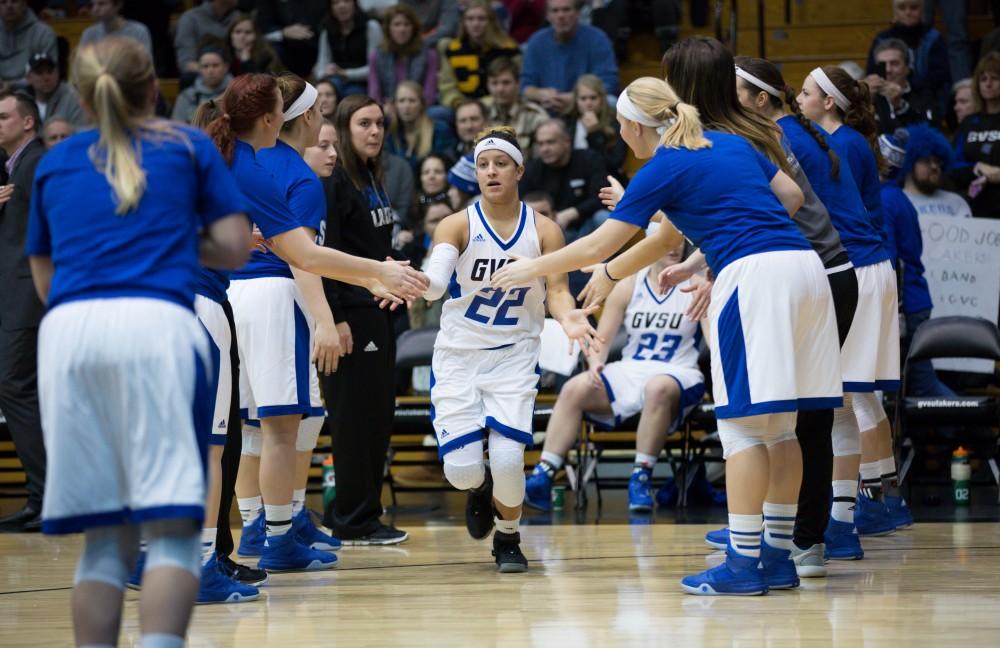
(449,240)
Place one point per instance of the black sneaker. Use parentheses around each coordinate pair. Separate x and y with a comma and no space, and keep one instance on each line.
(242,573)
(479,509)
(507,550)
(384,535)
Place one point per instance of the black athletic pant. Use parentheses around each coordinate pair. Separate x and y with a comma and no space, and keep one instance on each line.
(814,429)
(19,402)
(234,446)
(361,402)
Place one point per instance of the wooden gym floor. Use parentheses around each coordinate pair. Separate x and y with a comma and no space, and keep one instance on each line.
(589,585)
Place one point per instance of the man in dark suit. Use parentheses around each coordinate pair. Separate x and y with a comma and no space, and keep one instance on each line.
(20,309)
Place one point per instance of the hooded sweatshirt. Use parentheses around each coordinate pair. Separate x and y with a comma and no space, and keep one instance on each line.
(195,95)
(29,37)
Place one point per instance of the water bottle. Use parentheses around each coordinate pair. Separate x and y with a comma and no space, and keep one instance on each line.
(329,481)
(961,471)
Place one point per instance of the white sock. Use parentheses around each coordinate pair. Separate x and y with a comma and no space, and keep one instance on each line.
(779,522)
(278,518)
(207,544)
(507,526)
(250,508)
(552,459)
(844,498)
(890,478)
(871,479)
(298,500)
(161,641)
(648,460)
(744,534)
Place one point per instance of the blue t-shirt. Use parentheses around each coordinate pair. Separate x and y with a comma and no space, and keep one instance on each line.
(151,251)
(551,64)
(853,148)
(304,197)
(907,246)
(840,195)
(719,197)
(212,284)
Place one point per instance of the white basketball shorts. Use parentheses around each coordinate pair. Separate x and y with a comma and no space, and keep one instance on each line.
(871,351)
(220,342)
(625,383)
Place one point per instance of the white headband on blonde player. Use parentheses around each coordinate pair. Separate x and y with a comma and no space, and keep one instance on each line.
(498,144)
(824,82)
(630,111)
(766,87)
(302,104)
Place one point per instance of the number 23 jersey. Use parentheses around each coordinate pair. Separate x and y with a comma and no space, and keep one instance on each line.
(476,316)
(658,330)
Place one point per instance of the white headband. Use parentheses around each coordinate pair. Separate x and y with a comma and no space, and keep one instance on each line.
(303,103)
(769,89)
(630,111)
(497,144)
(824,82)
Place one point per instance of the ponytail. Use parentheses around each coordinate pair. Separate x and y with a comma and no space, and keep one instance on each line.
(860,115)
(248,97)
(120,159)
(656,99)
(686,131)
(220,130)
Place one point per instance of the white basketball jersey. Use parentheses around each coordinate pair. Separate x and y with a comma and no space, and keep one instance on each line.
(657,327)
(476,316)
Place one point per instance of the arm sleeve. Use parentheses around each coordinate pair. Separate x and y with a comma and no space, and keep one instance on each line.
(439,267)
(645,195)
(218,193)
(38,241)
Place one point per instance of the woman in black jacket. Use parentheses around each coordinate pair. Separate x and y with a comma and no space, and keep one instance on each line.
(591,123)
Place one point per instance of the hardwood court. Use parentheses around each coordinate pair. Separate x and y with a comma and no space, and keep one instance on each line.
(589,585)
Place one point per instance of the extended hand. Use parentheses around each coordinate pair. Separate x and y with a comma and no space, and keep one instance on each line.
(700,300)
(326,348)
(675,274)
(578,329)
(612,194)
(516,272)
(598,288)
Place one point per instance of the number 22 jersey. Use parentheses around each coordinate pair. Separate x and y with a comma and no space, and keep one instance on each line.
(476,316)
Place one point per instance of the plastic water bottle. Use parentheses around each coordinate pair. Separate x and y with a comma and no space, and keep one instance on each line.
(329,481)
(961,471)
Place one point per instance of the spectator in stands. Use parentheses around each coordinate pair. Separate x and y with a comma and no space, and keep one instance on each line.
(466,58)
(964,102)
(956,33)
(210,19)
(401,57)
(110,22)
(505,106)
(291,28)
(20,310)
(399,188)
(592,122)
(462,178)
(412,134)
(526,17)
(432,176)
(558,55)
(436,19)
(54,97)
(348,40)
(213,79)
(470,118)
(327,97)
(249,52)
(23,35)
(897,102)
(977,143)
(928,55)
(56,130)
(928,157)
(541,202)
(571,176)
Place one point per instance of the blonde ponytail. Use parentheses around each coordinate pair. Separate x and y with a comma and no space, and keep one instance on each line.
(686,131)
(119,159)
(655,98)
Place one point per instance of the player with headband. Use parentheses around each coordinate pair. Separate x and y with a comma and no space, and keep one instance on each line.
(484,372)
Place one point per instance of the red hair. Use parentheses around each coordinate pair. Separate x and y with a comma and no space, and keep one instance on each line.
(248,97)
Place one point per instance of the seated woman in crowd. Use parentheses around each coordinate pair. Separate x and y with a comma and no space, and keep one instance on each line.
(591,121)
(328,98)
(401,57)
(465,58)
(249,52)
(432,174)
(977,171)
(412,134)
(347,40)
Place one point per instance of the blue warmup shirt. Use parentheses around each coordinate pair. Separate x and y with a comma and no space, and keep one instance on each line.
(853,148)
(151,251)
(840,195)
(908,246)
(719,197)
(302,193)
(212,284)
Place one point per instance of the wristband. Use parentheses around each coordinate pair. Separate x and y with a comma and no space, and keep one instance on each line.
(608,274)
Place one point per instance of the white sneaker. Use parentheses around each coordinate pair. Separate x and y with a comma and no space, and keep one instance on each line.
(809,562)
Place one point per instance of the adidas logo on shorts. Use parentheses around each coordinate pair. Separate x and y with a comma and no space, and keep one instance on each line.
(222,425)
(479,238)
(371,347)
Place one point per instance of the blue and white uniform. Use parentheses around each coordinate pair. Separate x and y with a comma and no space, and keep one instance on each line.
(210,293)
(273,325)
(485,365)
(773,334)
(124,370)
(871,350)
(662,341)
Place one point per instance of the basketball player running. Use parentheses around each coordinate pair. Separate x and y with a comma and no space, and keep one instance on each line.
(484,371)
(658,376)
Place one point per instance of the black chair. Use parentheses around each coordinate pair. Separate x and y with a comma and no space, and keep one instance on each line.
(918,417)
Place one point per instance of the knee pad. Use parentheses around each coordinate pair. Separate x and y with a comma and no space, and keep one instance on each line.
(464,467)
(739,434)
(868,410)
(108,556)
(507,468)
(309,429)
(252,441)
(173,543)
(846,434)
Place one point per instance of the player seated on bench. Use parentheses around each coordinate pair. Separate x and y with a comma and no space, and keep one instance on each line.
(658,375)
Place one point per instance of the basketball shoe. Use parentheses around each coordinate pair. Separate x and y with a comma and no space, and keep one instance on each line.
(899,511)
(872,517)
(842,541)
(640,491)
(308,534)
(777,567)
(538,488)
(284,553)
(507,551)
(479,509)
(252,538)
(738,576)
(215,586)
(718,539)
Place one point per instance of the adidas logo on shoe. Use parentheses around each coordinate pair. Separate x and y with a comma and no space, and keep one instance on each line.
(479,238)
(370,347)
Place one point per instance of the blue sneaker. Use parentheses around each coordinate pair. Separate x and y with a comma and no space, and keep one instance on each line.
(640,492)
(307,533)
(718,539)
(216,587)
(777,567)
(285,554)
(135,579)
(538,489)
(842,542)
(738,576)
(252,538)
(872,518)
(666,495)
(899,511)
